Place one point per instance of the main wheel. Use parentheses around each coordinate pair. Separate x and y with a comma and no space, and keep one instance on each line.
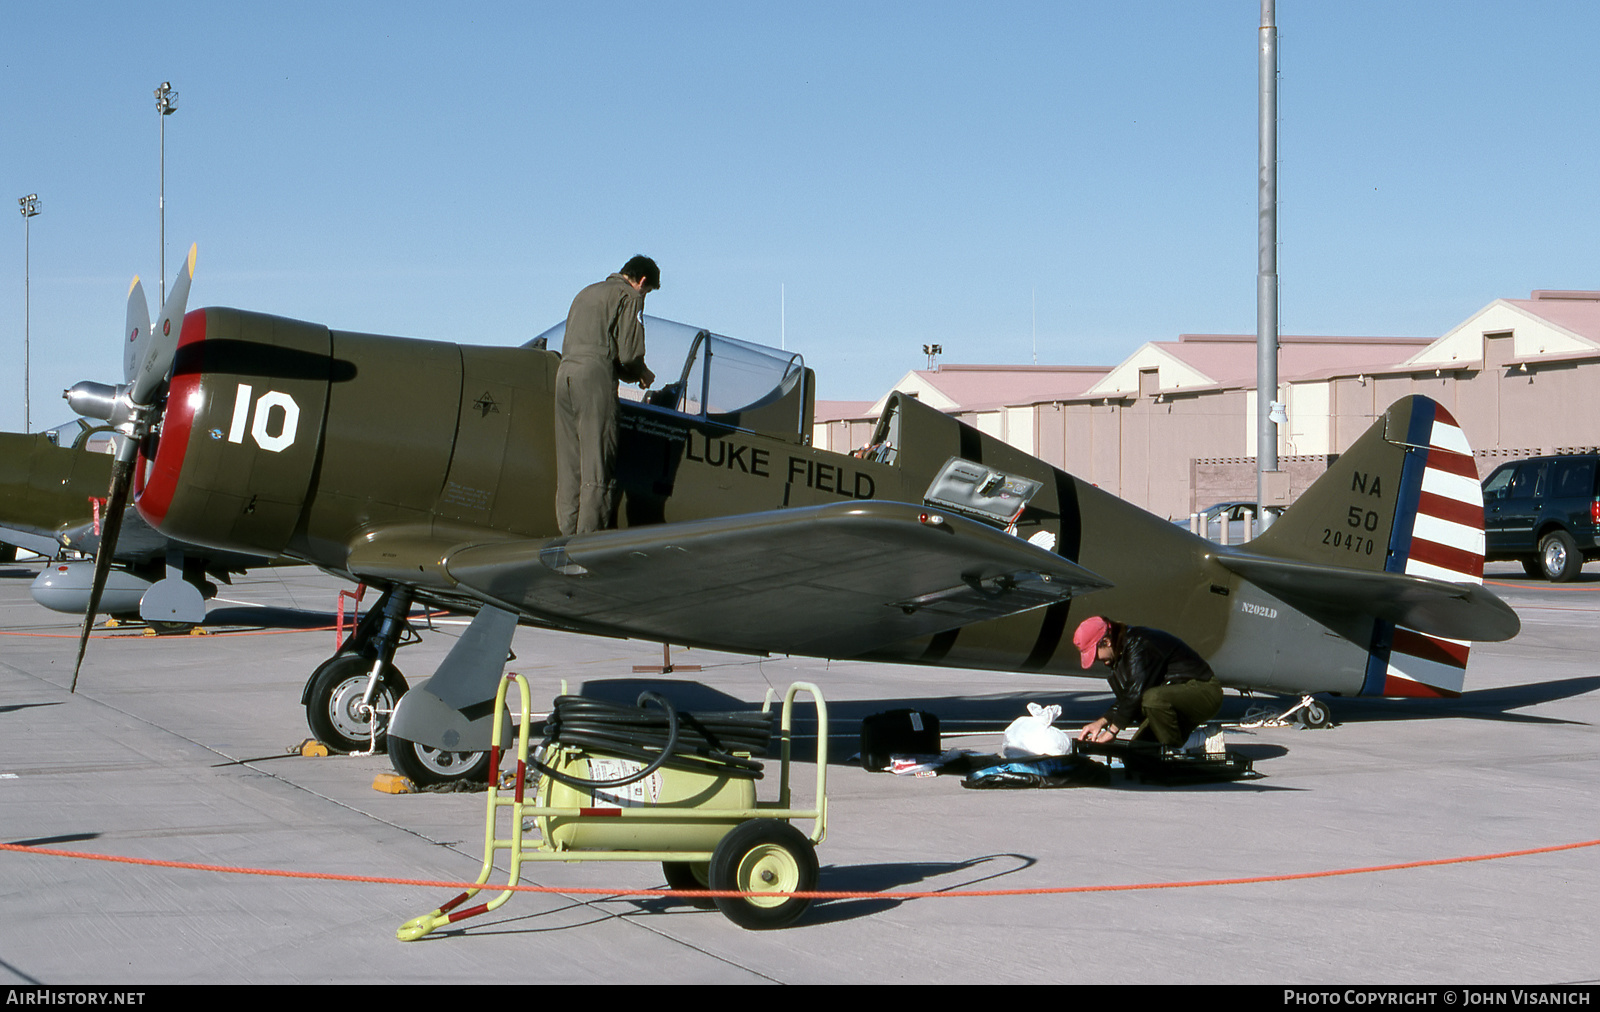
(764,855)
(1558,556)
(689,875)
(333,701)
(425,765)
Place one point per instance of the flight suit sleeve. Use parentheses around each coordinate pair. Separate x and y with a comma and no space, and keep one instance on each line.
(630,338)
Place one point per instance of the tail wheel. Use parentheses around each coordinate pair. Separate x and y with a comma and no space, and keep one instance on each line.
(334,710)
(1559,557)
(764,855)
(426,766)
(1315,714)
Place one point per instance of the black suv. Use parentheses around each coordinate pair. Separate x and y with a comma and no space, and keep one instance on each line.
(1545,513)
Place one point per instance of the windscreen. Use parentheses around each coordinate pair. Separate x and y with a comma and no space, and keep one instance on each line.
(713,374)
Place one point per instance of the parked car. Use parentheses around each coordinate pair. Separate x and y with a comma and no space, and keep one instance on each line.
(1544,512)
(1238,516)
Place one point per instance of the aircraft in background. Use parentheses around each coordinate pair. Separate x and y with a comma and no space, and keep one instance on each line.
(427,469)
(52,491)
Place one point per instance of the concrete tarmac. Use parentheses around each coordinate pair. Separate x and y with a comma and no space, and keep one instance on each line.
(175,749)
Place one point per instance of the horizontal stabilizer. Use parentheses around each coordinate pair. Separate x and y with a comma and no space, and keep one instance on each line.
(1463,611)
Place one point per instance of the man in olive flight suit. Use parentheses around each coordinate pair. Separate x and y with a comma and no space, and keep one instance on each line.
(604,342)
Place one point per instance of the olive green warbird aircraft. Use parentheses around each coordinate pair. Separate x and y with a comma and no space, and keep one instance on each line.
(427,469)
(52,488)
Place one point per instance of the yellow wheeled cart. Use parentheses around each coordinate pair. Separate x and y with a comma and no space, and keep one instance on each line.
(706,827)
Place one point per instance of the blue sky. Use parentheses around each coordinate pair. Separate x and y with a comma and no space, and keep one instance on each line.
(868,177)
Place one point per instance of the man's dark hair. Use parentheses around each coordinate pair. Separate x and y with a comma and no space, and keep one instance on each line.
(642,268)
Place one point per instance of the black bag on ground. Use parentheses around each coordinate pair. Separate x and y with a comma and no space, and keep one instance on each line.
(897,732)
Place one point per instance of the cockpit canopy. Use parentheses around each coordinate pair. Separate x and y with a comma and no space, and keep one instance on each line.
(722,379)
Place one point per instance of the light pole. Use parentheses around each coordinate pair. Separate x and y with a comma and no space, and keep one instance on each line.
(29,206)
(166,105)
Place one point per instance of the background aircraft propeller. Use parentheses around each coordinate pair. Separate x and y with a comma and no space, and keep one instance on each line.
(132,408)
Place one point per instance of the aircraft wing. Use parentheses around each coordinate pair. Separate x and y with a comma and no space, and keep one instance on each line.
(830,581)
(1464,611)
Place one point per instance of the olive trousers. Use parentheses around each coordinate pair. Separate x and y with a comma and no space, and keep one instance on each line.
(1173,710)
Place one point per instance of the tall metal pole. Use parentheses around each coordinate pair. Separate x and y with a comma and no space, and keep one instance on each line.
(166,105)
(29,206)
(1267,272)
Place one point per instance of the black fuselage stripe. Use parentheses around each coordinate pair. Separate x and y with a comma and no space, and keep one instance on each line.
(970,448)
(1050,632)
(939,647)
(1069,542)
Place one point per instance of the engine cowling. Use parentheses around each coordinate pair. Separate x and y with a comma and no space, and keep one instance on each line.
(237,446)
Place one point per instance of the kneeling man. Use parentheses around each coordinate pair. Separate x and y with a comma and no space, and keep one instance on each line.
(1159,681)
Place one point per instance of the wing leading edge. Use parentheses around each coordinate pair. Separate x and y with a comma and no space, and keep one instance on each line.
(827,581)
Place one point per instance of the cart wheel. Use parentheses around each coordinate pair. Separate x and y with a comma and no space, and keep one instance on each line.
(764,855)
(690,875)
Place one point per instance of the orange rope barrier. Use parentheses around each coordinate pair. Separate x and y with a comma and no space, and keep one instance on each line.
(144,632)
(1542,586)
(815,894)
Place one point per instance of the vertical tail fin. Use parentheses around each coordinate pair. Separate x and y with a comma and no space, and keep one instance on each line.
(1404,499)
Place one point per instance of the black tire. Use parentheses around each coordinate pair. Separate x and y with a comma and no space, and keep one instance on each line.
(1315,714)
(171,628)
(426,766)
(689,875)
(1532,567)
(764,855)
(1559,557)
(333,697)
(8,553)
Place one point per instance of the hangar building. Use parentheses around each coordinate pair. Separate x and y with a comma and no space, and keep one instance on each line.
(1171,427)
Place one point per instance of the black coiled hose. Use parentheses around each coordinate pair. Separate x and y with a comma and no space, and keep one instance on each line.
(698,743)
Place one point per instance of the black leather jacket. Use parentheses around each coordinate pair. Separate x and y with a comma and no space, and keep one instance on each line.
(1149,657)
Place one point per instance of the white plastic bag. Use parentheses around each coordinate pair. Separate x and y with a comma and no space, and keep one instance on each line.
(1033,735)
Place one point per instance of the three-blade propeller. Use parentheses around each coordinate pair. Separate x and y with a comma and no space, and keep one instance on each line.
(133,409)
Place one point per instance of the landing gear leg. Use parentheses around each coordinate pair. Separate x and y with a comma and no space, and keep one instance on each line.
(442,731)
(349,697)
(1310,713)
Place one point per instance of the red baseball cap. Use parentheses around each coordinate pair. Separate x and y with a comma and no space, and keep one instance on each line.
(1087,638)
